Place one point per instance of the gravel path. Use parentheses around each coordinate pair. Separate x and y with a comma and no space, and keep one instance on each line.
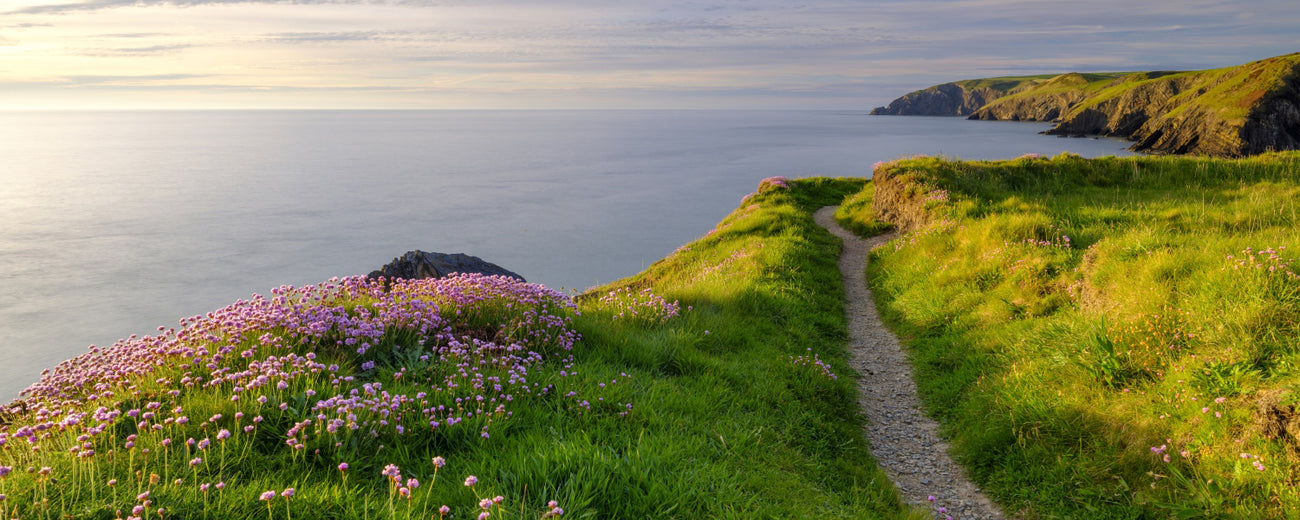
(904,440)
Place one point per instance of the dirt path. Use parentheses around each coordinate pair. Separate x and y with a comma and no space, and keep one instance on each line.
(904,440)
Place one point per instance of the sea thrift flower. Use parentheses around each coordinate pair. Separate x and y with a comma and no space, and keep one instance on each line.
(267,495)
(439,462)
(471,480)
(287,493)
(343,466)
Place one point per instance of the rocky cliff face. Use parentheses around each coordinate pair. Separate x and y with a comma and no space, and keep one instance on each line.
(1042,103)
(948,99)
(1231,112)
(1201,113)
(1275,122)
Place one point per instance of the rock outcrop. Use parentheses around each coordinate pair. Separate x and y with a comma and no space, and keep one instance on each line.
(948,99)
(1046,103)
(419,264)
(1229,112)
(1232,112)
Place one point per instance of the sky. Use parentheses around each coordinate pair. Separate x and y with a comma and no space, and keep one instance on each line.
(506,54)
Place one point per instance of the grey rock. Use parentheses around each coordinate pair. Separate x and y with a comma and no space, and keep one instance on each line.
(419,264)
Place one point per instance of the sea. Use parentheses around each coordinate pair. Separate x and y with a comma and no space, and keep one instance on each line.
(118,222)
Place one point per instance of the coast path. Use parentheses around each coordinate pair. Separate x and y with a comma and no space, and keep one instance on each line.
(904,441)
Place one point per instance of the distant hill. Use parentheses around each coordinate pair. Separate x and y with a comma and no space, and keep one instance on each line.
(1233,111)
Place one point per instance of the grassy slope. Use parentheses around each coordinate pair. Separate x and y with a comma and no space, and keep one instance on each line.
(1087,82)
(1004,83)
(732,414)
(1074,322)
(1230,92)
(855,213)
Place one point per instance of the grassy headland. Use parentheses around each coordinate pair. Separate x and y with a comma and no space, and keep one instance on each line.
(1105,338)
(712,385)
(1231,111)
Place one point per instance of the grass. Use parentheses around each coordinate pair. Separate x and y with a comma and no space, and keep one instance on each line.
(1229,93)
(704,387)
(856,214)
(1108,338)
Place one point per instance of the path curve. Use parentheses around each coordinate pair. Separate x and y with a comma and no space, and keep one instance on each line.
(904,441)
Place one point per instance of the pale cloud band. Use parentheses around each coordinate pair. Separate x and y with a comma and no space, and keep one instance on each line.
(589,54)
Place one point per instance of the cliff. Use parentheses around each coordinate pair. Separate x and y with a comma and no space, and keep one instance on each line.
(1045,101)
(959,98)
(1229,112)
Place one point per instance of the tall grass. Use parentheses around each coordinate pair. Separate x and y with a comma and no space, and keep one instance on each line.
(682,392)
(1108,338)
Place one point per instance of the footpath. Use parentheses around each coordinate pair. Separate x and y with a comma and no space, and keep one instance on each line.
(904,441)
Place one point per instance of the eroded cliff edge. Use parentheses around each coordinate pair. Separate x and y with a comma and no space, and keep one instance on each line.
(1228,112)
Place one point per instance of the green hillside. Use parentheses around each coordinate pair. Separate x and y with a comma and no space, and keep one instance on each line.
(1107,338)
(712,385)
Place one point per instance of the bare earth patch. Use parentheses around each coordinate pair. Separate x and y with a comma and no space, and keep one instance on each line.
(903,439)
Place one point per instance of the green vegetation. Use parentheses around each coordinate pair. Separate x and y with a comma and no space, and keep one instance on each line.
(1229,92)
(1086,83)
(712,385)
(1107,338)
(1004,83)
(856,214)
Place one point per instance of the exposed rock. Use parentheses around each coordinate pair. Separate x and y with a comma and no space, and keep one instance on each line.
(419,264)
(948,99)
(1056,97)
(1156,114)
(1274,124)
(1230,112)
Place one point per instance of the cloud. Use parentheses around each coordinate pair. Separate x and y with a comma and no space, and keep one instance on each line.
(755,49)
(149,50)
(121,80)
(341,36)
(97,5)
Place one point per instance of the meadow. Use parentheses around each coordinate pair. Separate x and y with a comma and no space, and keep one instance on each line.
(1104,338)
(712,385)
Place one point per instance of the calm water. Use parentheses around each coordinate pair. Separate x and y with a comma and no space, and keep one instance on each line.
(114,223)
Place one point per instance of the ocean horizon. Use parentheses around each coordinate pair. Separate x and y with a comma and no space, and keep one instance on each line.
(115,223)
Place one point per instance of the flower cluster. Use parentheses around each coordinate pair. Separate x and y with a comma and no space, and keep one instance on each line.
(1267,260)
(824,369)
(1056,237)
(773,183)
(643,305)
(936,195)
(333,370)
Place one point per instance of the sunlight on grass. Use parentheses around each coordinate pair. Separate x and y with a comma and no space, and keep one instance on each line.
(1109,336)
(710,386)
